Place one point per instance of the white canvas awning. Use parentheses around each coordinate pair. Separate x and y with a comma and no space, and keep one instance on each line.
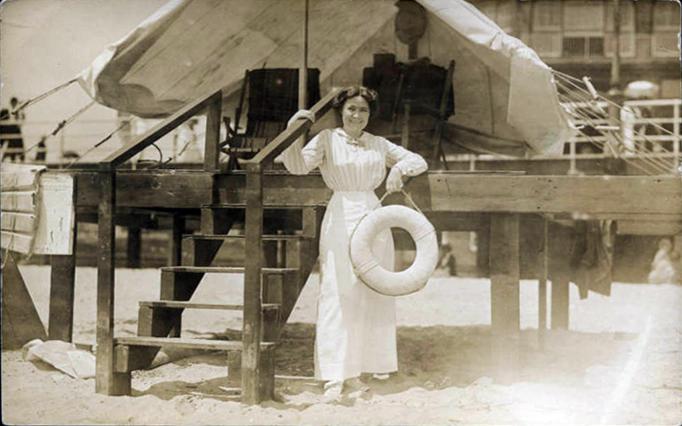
(190,48)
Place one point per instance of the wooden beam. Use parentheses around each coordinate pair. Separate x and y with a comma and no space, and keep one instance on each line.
(291,133)
(504,272)
(136,146)
(212,142)
(20,320)
(560,303)
(251,335)
(175,240)
(133,246)
(601,196)
(107,381)
(62,292)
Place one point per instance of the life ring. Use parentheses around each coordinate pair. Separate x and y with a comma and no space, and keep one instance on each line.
(376,277)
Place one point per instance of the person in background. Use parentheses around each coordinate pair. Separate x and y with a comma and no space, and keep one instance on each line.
(355,328)
(11,140)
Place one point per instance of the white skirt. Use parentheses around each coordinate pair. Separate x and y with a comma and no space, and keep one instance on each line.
(356,331)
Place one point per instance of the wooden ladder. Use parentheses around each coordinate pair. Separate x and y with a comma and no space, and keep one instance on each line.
(288,260)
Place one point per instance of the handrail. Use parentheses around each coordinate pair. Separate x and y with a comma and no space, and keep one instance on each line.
(291,133)
(157,132)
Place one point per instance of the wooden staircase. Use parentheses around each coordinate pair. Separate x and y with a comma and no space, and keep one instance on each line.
(288,260)
(277,262)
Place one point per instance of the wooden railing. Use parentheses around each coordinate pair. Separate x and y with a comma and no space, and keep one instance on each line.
(107,381)
(253,229)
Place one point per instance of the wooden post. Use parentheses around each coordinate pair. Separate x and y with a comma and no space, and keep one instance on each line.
(543,264)
(560,302)
(504,294)
(106,381)
(62,291)
(175,242)
(483,251)
(134,244)
(303,71)
(504,272)
(212,141)
(251,335)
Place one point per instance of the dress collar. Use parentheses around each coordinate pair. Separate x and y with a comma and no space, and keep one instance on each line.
(360,141)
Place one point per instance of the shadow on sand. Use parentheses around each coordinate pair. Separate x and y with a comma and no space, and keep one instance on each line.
(432,358)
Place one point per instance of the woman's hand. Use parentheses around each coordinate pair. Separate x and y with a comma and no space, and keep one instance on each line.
(394,181)
(302,114)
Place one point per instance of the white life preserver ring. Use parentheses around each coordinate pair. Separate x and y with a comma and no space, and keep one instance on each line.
(376,277)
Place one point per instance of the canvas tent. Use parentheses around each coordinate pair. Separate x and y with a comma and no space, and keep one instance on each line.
(190,48)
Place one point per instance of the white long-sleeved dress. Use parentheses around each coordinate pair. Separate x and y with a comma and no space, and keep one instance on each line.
(355,331)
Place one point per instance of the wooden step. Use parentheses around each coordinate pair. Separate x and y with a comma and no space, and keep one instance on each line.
(267,206)
(175,304)
(267,237)
(184,343)
(224,270)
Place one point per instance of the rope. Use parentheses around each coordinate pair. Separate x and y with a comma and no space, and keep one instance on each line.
(576,92)
(62,124)
(44,95)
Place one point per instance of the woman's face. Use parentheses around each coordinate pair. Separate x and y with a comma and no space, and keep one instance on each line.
(355,114)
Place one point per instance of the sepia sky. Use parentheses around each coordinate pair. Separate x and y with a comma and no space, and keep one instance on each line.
(44,43)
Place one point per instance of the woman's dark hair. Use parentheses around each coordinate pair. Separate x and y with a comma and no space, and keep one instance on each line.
(352,91)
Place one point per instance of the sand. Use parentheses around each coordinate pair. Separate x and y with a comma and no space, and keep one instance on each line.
(620,363)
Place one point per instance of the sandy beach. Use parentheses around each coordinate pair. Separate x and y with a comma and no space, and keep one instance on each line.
(619,363)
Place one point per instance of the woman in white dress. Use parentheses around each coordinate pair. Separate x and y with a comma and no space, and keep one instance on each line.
(356,329)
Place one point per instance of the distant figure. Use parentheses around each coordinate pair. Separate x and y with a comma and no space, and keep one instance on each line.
(11,140)
(663,267)
(187,138)
(448,260)
(41,152)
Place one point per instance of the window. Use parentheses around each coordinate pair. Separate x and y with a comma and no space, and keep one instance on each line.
(583,16)
(627,16)
(583,47)
(546,15)
(665,44)
(665,36)
(546,44)
(666,15)
(627,44)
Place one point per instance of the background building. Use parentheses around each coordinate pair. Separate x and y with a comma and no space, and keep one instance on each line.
(577,37)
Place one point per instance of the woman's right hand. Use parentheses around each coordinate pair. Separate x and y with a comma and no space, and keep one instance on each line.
(302,114)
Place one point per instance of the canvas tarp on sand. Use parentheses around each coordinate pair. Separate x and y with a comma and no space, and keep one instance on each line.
(190,48)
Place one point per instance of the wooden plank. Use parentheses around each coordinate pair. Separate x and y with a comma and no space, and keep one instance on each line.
(62,292)
(19,201)
(181,189)
(15,241)
(25,223)
(136,146)
(107,381)
(504,273)
(212,142)
(173,304)
(20,320)
(56,215)
(19,177)
(222,269)
(645,227)
(434,191)
(549,194)
(251,332)
(177,342)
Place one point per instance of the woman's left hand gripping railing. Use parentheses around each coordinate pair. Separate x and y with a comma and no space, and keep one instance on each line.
(253,228)
(107,380)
